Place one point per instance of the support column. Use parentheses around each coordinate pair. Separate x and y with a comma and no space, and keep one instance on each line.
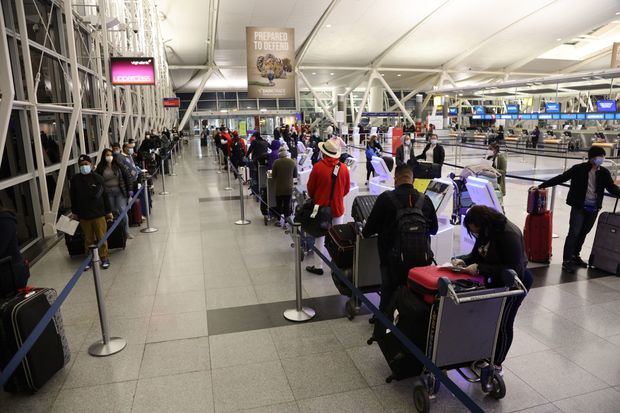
(192,104)
(375,101)
(6,86)
(418,107)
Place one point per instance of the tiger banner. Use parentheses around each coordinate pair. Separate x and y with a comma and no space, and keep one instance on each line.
(270,62)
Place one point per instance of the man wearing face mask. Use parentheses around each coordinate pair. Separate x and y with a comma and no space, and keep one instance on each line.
(499,162)
(588,182)
(404,153)
(438,153)
(91,206)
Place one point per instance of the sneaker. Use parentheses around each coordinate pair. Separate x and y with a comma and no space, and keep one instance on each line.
(314,270)
(568,267)
(277,224)
(88,266)
(130,236)
(105,264)
(579,262)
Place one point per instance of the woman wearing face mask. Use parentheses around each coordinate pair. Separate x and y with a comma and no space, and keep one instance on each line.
(438,153)
(588,182)
(499,162)
(404,153)
(499,246)
(373,148)
(117,183)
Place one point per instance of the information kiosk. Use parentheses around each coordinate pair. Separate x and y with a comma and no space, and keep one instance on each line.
(383,180)
(440,193)
(481,192)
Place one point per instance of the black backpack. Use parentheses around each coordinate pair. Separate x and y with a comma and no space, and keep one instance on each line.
(412,245)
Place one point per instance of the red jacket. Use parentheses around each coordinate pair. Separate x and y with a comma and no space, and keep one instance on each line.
(224,135)
(320,183)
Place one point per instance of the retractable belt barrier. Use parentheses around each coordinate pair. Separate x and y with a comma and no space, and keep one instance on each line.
(21,353)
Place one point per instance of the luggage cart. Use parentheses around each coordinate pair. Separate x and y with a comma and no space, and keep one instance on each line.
(463,333)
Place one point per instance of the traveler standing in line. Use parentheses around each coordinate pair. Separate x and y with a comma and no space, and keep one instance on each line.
(258,148)
(273,155)
(588,182)
(9,247)
(117,184)
(499,161)
(319,189)
(237,153)
(535,137)
(373,148)
(499,246)
(438,153)
(283,173)
(404,153)
(383,220)
(91,206)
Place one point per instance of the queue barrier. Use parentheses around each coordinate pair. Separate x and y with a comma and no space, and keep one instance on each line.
(107,345)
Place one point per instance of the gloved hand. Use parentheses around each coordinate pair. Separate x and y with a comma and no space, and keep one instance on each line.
(139,186)
(457,262)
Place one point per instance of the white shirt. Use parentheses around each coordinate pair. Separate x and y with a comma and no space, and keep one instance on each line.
(591,192)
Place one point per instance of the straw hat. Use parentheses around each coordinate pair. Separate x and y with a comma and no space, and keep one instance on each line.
(329,148)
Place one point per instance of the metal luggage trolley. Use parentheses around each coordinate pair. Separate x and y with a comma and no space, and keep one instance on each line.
(463,333)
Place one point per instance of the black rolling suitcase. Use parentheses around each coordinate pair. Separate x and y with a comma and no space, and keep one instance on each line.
(605,253)
(362,205)
(75,242)
(19,315)
(427,170)
(340,243)
(118,237)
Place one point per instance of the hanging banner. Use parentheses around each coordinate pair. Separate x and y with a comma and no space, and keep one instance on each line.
(270,62)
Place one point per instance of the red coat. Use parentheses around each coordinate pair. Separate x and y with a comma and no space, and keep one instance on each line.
(224,135)
(320,181)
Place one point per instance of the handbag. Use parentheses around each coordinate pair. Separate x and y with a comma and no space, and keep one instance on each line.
(316,220)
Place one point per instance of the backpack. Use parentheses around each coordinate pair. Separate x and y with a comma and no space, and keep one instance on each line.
(412,245)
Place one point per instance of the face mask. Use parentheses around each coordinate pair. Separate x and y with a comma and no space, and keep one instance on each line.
(407,143)
(433,141)
(130,151)
(598,161)
(116,151)
(85,169)
(109,159)
(490,154)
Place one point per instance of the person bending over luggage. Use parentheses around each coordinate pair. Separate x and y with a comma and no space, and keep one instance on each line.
(283,172)
(404,153)
(320,190)
(386,219)
(9,247)
(118,184)
(588,182)
(373,148)
(500,162)
(499,246)
(438,153)
(91,206)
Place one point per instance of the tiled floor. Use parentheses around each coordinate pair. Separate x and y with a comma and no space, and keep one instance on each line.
(166,289)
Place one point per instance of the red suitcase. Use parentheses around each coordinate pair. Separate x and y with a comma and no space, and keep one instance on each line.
(536,201)
(537,235)
(423,280)
(135,214)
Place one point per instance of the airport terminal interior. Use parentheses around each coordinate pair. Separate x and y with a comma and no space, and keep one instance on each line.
(150,115)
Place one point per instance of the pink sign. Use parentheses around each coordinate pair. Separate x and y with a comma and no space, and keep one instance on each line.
(132,70)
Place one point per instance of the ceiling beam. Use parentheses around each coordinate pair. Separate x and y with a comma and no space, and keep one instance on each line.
(381,56)
(299,56)
(468,52)
(587,60)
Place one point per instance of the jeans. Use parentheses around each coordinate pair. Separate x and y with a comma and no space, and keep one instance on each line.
(506,328)
(580,224)
(369,170)
(320,243)
(118,202)
(283,205)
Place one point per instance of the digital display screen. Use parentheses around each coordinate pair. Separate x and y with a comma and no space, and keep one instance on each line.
(544,116)
(132,70)
(610,116)
(172,102)
(489,117)
(595,116)
(512,108)
(534,116)
(581,116)
(507,116)
(479,110)
(436,191)
(526,116)
(606,106)
(476,117)
(453,111)
(552,107)
(556,116)
(568,116)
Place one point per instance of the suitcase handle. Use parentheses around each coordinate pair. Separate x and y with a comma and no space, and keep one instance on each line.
(446,288)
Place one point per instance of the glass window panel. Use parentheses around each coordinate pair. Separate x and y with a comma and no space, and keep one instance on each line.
(14,159)
(38,16)
(207,105)
(52,85)
(18,198)
(287,104)
(247,104)
(267,103)
(228,104)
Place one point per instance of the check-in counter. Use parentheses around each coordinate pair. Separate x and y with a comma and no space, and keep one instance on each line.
(610,148)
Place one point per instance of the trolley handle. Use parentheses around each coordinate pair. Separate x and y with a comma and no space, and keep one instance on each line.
(516,287)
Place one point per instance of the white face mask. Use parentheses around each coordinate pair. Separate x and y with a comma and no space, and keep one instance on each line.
(599,160)
(490,154)
(109,159)
(433,141)
(407,142)
(130,151)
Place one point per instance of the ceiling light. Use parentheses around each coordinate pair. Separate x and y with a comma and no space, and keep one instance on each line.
(328,25)
(559,39)
(382,74)
(399,75)
(313,73)
(224,110)
(618,13)
(331,74)
(248,107)
(263,110)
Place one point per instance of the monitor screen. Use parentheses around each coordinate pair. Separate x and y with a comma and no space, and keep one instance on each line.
(595,116)
(172,102)
(606,106)
(132,70)
(437,191)
(453,111)
(552,107)
(512,108)
(479,110)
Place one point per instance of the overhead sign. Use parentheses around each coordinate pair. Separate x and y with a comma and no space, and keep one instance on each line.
(606,106)
(552,107)
(172,102)
(453,111)
(380,114)
(132,70)
(270,61)
(479,110)
(513,108)
(595,116)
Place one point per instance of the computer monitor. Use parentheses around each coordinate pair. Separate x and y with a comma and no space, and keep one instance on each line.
(438,190)
(380,167)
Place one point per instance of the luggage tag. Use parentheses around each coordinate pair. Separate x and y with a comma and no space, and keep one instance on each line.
(315,211)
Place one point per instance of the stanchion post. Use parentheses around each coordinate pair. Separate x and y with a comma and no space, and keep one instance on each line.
(299,313)
(172,163)
(163,179)
(551,207)
(145,187)
(219,161)
(228,187)
(535,156)
(242,220)
(107,345)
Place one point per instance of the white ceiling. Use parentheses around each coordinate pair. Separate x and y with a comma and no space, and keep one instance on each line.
(523,36)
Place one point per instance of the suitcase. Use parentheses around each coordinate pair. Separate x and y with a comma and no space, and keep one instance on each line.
(413,319)
(362,205)
(340,243)
(536,201)
(135,214)
(423,280)
(537,235)
(75,242)
(118,237)
(605,253)
(50,353)
(426,170)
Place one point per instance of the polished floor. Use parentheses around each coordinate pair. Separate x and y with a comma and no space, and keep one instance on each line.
(199,303)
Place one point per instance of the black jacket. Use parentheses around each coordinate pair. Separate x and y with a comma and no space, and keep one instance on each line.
(121,171)
(439,153)
(506,251)
(258,149)
(88,199)
(578,175)
(9,247)
(400,154)
(382,218)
